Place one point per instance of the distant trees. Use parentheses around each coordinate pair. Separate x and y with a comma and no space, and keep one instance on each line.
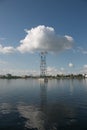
(70,76)
(58,76)
(9,76)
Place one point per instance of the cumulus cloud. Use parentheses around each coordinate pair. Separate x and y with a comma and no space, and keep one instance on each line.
(42,38)
(7,49)
(71,65)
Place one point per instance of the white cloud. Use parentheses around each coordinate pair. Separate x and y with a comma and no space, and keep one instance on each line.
(55,71)
(18,72)
(62,69)
(7,49)
(82,50)
(83,70)
(3,62)
(42,38)
(71,65)
(85,66)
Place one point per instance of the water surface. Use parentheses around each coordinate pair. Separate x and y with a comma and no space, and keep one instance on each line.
(34,105)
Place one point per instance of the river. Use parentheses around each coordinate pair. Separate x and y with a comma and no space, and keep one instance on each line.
(30,104)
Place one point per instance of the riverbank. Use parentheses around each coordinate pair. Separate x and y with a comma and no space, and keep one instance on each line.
(70,76)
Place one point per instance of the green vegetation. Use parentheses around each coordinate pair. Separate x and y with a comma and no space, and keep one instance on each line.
(72,76)
(58,76)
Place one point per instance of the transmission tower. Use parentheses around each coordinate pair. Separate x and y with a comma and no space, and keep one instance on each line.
(43,67)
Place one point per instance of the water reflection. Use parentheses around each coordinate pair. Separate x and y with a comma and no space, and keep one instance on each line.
(10,118)
(56,115)
(56,105)
(35,115)
(71,87)
(5,108)
(43,95)
(32,116)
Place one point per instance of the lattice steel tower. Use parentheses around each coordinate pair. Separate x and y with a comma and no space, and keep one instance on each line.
(43,67)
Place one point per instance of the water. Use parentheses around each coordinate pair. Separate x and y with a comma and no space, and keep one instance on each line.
(34,105)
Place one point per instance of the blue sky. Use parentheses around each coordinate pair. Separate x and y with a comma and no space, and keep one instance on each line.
(66,17)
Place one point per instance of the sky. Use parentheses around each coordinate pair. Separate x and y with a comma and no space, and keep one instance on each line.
(28,27)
